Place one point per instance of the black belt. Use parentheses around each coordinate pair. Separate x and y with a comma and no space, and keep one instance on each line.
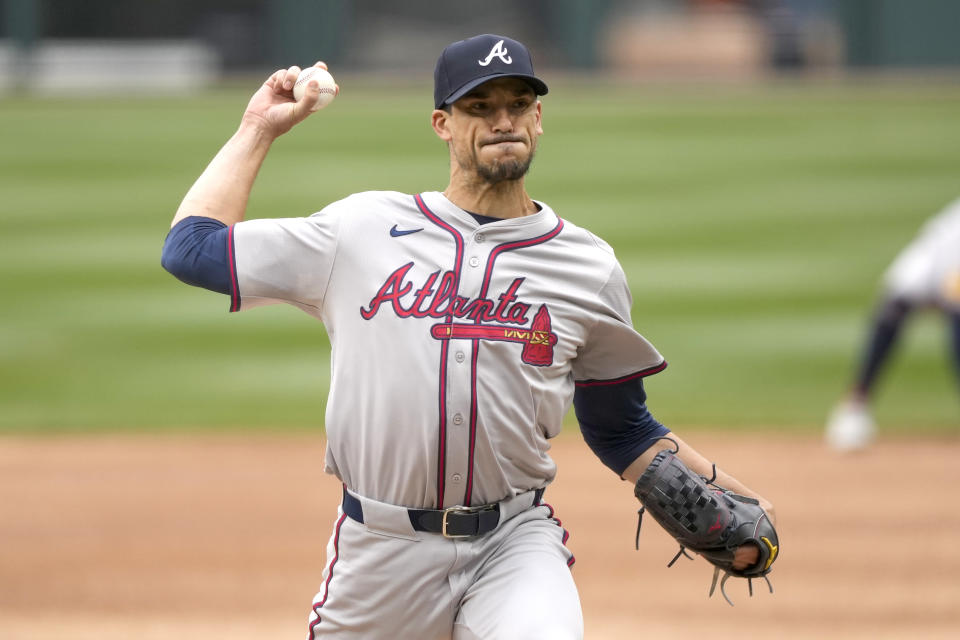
(455,522)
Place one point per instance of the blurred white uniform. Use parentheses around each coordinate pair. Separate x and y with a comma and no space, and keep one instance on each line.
(927,271)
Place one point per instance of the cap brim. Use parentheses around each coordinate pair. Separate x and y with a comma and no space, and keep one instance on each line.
(538,85)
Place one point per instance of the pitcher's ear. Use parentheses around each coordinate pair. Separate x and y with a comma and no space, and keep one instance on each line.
(439,120)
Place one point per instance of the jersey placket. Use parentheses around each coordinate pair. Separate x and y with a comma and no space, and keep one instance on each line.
(462,382)
(446,378)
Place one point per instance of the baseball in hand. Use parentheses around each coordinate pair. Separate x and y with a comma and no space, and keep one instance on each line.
(328,86)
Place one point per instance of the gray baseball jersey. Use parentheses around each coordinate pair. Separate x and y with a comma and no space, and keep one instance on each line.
(455,345)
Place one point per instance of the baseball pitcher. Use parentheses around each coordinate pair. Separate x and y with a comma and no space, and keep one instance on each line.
(463,325)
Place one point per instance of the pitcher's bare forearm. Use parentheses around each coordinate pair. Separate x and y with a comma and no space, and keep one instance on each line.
(223,189)
(697,463)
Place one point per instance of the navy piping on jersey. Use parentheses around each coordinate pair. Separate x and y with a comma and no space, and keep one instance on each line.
(615,422)
(491,260)
(444,348)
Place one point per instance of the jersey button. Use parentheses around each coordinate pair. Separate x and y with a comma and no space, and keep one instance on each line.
(459,357)
(456,477)
(474,261)
(458,419)
(481,237)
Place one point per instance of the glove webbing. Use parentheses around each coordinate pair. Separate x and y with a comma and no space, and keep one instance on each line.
(642,509)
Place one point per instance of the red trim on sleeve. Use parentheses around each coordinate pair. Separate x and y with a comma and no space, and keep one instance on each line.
(633,376)
(232,262)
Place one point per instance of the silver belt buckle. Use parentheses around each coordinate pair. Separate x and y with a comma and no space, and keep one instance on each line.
(456,509)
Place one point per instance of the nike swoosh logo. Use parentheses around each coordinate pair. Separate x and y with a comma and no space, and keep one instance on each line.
(396,233)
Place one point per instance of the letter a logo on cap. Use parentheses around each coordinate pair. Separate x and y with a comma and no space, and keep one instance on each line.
(497,52)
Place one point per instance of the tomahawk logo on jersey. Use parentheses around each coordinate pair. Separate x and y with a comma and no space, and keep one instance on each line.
(537,341)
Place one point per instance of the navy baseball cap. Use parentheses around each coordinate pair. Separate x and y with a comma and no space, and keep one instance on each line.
(466,64)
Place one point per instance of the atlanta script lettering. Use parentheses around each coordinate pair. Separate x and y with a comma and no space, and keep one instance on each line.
(437,298)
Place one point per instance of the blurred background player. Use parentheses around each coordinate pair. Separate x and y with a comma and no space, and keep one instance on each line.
(925,275)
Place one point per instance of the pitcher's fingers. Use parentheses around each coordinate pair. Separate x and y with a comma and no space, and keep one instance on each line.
(323,65)
(309,102)
(311,96)
(275,81)
(290,78)
(745,556)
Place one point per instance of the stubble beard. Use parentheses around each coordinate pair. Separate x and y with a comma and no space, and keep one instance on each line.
(501,171)
(498,171)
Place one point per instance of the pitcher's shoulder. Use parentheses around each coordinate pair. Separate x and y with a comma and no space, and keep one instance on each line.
(373,203)
(586,239)
(375,198)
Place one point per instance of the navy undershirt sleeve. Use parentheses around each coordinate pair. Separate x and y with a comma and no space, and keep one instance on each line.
(615,421)
(197,252)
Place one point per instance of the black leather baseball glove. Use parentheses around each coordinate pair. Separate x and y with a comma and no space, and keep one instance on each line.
(707,519)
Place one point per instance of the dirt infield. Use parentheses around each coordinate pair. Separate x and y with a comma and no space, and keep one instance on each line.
(199,536)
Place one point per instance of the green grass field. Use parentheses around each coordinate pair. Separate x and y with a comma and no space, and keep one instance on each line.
(754,224)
